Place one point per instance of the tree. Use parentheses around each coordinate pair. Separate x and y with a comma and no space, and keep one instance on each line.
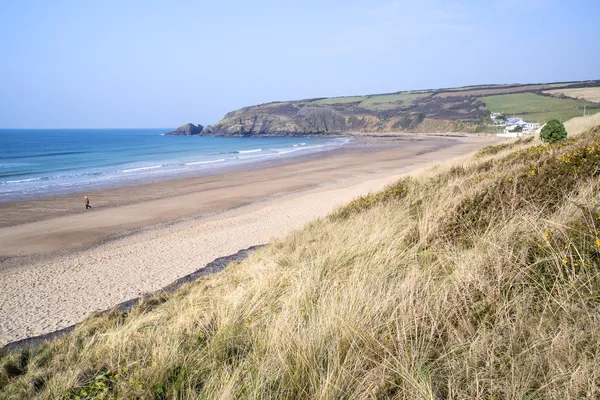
(553,131)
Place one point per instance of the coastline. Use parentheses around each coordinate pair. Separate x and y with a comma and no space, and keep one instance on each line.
(58,269)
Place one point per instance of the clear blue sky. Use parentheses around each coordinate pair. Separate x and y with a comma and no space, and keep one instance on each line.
(161,64)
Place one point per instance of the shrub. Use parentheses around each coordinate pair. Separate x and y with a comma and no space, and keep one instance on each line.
(553,131)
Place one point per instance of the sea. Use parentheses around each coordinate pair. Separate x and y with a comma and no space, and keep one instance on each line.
(38,163)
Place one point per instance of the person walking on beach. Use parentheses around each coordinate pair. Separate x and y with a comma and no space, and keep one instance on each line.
(87,203)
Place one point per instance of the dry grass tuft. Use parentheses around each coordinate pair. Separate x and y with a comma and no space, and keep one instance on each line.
(579,125)
(497,148)
(477,281)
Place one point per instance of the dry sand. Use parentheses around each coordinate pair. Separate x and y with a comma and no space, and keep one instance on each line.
(59,263)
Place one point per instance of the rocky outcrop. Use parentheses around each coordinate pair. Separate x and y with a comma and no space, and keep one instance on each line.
(188,129)
(280,119)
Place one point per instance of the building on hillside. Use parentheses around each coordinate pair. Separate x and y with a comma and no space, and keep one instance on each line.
(516,127)
(531,127)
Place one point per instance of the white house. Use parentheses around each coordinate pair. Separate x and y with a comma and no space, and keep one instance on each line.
(531,127)
(516,127)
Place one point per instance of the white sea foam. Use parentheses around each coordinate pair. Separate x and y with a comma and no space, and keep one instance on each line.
(249,151)
(23,180)
(206,162)
(293,150)
(141,168)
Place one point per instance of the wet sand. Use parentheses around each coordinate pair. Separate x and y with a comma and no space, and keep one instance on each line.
(59,262)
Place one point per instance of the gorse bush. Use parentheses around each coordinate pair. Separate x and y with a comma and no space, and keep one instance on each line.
(553,131)
(477,281)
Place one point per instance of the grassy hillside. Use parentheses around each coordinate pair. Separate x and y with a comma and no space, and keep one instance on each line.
(539,108)
(477,280)
(441,110)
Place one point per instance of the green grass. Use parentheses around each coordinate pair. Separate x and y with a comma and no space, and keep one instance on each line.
(391,101)
(339,100)
(539,108)
(561,115)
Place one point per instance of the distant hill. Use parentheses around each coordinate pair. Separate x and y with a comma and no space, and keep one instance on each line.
(464,109)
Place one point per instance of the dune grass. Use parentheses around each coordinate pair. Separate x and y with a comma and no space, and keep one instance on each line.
(479,280)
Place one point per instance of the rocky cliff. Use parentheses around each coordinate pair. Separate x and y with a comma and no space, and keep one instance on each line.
(187,129)
(315,117)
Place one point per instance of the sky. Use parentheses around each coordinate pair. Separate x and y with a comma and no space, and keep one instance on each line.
(142,64)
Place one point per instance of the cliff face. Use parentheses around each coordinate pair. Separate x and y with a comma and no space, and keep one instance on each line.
(377,113)
(281,119)
(314,117)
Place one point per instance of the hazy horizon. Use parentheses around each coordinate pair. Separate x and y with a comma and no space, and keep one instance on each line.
(152,65)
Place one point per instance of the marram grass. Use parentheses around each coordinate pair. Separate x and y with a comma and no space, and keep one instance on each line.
(477,281)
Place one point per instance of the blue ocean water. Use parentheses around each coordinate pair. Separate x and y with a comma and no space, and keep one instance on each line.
(35,163)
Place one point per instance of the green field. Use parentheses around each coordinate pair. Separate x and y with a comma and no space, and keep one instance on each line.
(561,115)
(339,100)
(534,107)
(391,101)
(376,102)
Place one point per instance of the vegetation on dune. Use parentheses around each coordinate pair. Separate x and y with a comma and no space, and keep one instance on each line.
(497,148)
(481,280)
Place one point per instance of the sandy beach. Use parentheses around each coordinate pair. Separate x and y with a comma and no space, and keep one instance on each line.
(59,262)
